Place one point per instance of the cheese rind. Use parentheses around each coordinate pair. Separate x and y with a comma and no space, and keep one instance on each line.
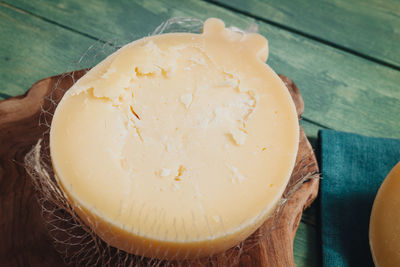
(160,146)
(384,231)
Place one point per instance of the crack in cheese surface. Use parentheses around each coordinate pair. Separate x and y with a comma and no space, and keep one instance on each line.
(161,147)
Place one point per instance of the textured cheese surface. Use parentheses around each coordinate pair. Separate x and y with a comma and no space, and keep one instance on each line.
(384,229)
(177,145)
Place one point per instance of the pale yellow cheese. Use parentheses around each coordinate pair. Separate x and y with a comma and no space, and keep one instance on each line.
(177,145)
(384,231)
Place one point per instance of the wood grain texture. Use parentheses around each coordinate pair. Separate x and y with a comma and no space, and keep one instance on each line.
(369,27)
(342,91)
(24,240)
(23,237)
(32,49)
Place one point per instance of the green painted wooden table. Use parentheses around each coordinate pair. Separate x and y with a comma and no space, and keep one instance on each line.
(343,55)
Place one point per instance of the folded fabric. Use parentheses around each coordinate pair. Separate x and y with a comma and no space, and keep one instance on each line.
(353,167)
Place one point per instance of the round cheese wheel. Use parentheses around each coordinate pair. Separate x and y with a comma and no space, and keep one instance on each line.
(177,145)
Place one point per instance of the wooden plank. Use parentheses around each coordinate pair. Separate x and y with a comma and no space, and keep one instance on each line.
(311,130)
(307,246)
(369,27)
(341,91)
(31,49)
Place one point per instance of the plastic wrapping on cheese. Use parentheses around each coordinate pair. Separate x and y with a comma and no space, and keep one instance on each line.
(178,145)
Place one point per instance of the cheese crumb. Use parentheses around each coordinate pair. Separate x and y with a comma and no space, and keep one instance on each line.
(186,99)
(108,72)
(230,81)
(239,136)
(237,176)
(165,172)
(198,60)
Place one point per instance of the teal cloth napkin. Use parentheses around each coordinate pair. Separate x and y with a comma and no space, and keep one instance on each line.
(353,167)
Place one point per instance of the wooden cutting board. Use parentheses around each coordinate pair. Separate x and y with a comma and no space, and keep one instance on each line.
(24,239)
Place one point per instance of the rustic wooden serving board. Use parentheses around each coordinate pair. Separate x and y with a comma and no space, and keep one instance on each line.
(24,239)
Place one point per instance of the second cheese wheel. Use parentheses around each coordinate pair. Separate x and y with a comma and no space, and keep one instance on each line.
(384,231)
